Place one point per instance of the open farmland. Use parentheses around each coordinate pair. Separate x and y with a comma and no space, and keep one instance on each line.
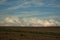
(29,33)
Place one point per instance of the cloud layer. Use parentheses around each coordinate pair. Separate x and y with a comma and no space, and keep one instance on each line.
(29,8)
(11,21)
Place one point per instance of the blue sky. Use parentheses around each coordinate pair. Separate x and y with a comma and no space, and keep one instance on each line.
(45,9)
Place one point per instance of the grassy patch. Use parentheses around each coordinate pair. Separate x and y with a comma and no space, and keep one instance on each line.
(46,33)
(33,32)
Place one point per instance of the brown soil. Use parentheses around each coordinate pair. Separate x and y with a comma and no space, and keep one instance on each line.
(29,36)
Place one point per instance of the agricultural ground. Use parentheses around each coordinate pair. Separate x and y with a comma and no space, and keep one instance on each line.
(29,33)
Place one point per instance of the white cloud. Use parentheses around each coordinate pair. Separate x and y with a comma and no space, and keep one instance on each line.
(11,21)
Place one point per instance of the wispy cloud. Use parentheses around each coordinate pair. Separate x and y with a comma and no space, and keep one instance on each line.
(26,4)
(38,3)
(2,1)
(11,6)
(17,6)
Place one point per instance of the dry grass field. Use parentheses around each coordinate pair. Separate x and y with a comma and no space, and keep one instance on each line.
(29,33)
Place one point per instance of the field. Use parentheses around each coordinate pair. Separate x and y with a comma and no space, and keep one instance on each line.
(29,33)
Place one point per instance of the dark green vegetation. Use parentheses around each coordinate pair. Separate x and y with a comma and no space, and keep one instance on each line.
(21,33)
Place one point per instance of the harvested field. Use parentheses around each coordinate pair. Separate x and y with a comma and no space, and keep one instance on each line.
(29,33)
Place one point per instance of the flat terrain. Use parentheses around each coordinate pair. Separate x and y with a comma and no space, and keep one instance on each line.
(29,33)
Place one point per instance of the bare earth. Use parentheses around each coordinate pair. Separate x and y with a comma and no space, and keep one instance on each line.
(29,33)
